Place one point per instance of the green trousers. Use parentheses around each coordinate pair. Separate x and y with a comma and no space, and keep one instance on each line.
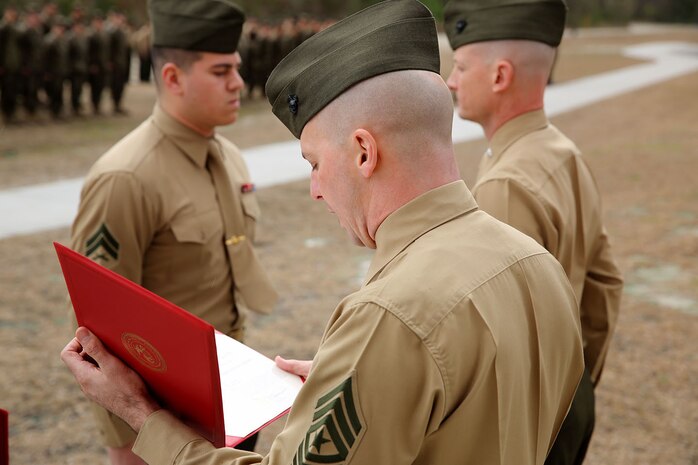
(572,442)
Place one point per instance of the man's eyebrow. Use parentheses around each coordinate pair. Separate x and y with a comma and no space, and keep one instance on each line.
(222,65)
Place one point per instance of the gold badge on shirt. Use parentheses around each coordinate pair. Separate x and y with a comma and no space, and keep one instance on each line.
(336,428)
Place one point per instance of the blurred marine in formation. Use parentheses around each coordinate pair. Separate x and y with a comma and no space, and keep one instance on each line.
(32,54)
(119,59)
(9,63)
(97,62)
(77,53)
(56,65)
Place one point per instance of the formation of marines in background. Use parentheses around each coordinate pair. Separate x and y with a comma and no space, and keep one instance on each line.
(43,52)
(47,59)
(264,44)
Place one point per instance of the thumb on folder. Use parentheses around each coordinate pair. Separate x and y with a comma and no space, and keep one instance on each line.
(295,367)
(106,380)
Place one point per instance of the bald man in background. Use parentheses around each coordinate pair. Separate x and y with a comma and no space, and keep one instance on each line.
(463,344)
(532,176)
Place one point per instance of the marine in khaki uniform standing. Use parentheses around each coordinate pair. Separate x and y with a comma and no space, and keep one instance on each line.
(171,206)
(532,176)
(462,346)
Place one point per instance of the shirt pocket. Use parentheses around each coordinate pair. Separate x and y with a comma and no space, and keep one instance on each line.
(198,229)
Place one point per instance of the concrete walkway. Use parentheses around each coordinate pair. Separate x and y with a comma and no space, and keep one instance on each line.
(53,205)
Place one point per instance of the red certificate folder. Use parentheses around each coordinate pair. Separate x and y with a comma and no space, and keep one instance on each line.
(172,350)
(4,437)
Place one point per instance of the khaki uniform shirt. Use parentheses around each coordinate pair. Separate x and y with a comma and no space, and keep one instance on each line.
(149,211)
(463,346)
(534,179)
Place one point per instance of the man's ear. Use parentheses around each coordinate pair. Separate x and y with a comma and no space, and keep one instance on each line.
(171,76)
(367,156)
(503,77)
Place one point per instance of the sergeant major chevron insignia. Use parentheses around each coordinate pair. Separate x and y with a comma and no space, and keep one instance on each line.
(336,428)
(102,245)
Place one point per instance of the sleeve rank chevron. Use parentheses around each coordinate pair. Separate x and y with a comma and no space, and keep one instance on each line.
(336,428)
(102,245)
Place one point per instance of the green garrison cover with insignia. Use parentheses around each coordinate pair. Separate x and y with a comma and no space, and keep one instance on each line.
(102,245)
(337,426)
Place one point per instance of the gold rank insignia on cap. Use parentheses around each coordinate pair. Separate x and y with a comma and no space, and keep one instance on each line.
(102,245)
(337,426)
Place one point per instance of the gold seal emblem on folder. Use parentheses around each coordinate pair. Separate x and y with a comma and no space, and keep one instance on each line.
(144,352)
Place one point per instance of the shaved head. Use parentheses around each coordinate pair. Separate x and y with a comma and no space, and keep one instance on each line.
(411,112)
(379,145)
(533,61)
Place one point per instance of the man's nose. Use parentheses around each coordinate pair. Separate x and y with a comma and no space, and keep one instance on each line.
(314,188)
(236,81)
(451,81)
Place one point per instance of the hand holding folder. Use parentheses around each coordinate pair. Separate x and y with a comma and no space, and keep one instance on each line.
(223,389)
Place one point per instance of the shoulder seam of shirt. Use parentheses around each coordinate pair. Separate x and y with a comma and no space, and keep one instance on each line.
(387,307)
(534,192)
(144,151)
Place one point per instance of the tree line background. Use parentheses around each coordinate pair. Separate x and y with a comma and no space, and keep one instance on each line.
(582,13)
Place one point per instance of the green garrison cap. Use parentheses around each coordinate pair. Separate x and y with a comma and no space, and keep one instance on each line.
(197,25)
(468,21)
(389,36)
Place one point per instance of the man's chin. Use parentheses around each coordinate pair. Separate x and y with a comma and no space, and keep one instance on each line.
(230,119)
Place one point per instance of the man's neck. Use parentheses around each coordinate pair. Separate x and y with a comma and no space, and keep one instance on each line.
(392,193)
(504,115)
(174,112)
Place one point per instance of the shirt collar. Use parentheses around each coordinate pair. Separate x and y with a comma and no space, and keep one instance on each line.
(193,144)
(414,219)
(516,128)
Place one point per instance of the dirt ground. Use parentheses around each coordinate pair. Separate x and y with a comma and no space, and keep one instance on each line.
(642,147)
